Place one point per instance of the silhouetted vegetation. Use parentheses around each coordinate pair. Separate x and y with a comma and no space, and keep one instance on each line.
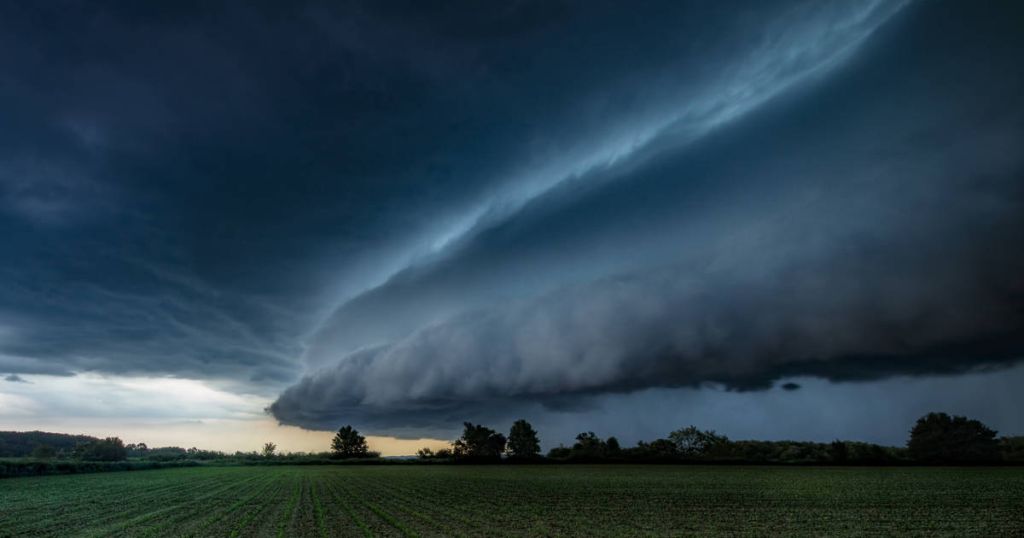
(109,449)
(478,443)
(940,438)
(691,442)
(347,443)
(523,443)
(21,444)
(173,453)
(44,452)
(1011,449)
(29,467)
(936,439)
(658,450)
(427,454)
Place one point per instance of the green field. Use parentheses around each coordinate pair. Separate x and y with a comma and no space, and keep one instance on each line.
(609,500)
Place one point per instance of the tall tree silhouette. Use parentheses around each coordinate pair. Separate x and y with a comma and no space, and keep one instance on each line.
(523,442)
(347,443)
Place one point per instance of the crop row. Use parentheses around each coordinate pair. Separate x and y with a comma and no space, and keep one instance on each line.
(515,501)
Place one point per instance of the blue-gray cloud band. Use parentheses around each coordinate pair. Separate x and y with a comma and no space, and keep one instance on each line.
(863,226)
(407,213)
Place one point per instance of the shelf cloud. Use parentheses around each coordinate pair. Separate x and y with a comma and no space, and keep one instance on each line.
(404,216)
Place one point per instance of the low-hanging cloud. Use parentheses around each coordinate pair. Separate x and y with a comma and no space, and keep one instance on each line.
(865,309)
(830,235)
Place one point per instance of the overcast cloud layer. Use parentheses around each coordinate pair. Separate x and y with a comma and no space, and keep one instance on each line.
(400,215)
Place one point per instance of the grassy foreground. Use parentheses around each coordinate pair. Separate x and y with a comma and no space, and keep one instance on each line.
(609,500)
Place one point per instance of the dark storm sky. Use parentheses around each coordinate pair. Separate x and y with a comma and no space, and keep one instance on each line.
(594,214)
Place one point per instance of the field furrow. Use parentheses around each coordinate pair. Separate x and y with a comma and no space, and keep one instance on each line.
(87,509)
(547,500)
(358,510)
(257,518)
(149,521)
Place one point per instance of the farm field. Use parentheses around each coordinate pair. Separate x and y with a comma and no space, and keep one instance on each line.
(576,500)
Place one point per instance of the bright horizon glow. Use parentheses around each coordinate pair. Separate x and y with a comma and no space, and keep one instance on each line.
(164,411)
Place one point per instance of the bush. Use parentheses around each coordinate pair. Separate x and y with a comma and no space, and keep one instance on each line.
(1011,449)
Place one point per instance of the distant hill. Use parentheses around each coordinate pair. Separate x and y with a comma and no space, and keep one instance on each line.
(20,444)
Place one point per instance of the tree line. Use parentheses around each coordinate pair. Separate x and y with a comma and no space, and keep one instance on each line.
(936,438)
(22,444)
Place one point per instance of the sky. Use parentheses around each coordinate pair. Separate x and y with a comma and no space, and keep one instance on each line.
(226,224)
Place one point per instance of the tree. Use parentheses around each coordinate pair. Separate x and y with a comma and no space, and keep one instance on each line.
(838,452)
(522,441)
(479,442)
(693,443)
(43,452)
(269,449)
(428,454)
(347,443)
(137,449)
(589,446)
(940,438)
(657,450)
(21,444)
(612,444)
(109,449)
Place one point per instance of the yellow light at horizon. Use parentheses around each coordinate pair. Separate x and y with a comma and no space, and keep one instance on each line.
(163,411)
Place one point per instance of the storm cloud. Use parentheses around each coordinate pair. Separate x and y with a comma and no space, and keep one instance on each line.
(826,235)
(856,304)
(402,216)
